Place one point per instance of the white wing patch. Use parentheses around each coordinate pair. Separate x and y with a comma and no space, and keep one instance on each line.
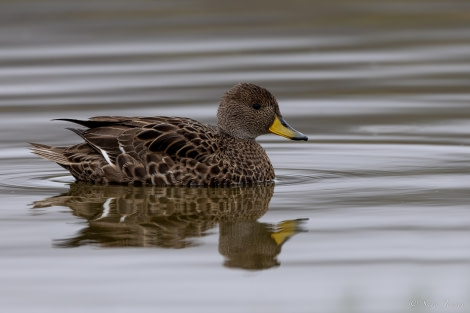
(105,156)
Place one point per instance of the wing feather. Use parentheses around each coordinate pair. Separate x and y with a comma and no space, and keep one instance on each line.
(111,136)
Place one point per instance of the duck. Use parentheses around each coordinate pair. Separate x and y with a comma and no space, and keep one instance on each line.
(178,151)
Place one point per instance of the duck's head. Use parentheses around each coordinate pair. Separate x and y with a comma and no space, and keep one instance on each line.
(247,111)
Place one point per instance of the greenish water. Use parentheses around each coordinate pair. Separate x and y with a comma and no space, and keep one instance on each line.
(370,215)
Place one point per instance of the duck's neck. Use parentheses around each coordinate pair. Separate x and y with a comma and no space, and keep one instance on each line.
(228,136)
(247,159)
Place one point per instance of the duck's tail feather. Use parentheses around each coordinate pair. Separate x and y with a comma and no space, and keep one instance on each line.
(55,154)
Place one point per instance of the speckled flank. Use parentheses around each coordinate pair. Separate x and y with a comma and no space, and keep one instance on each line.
(174,150)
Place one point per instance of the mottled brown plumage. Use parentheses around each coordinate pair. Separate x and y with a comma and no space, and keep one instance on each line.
(175,150)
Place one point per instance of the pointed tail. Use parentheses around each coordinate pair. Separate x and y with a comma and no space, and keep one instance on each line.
(55,154)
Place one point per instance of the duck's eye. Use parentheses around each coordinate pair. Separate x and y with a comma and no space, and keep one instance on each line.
(256,106)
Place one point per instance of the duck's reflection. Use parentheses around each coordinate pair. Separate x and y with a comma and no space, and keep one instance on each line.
(173,217)
(254,245)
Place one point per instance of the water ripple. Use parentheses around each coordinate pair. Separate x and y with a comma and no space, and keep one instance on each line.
(32,177)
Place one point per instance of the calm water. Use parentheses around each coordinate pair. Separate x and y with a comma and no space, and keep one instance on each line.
(372,214)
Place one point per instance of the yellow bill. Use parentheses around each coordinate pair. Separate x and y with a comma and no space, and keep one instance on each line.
(281,128)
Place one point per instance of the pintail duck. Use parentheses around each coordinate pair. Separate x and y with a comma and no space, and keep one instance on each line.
(178,151)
